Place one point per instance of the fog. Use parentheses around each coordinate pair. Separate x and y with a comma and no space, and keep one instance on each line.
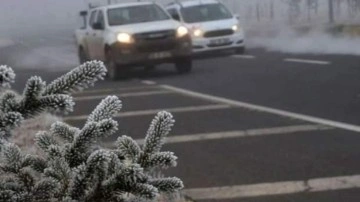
(269,24)
(36,16)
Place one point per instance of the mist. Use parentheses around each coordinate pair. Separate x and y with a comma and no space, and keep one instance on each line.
(44,28)
(20,17)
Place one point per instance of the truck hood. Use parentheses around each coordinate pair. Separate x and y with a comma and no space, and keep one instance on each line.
(213,25)
(145,27)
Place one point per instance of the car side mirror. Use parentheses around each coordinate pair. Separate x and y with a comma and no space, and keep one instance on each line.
(237,16)
(97,26)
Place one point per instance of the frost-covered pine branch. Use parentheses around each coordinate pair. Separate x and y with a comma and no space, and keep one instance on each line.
(71,166)
(7,76)
(78,79)
(38,97)
(72,169)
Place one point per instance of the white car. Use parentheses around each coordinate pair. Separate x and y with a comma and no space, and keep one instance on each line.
(133,34)
(212,25)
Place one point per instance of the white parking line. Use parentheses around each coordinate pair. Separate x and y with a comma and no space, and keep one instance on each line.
(244,133)
(109,90)
(154,111)
(269,110)
(148,82)
(317,62)
(123,95)
(244,56)
(275,188)
(236,134)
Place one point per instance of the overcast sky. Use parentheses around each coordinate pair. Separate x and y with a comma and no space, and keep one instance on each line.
(39,15)
(27,15)
(18,16)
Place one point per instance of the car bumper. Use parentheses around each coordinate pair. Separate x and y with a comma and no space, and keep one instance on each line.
(201,45)
(155,52)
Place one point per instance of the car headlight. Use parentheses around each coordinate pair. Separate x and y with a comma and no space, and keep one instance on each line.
(235,28)
(197,32)
(182,31)
(125,38)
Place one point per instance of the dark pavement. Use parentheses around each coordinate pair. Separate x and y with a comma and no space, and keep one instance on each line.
(330,92)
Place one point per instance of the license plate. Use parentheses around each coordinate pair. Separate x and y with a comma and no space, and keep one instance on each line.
(159,55)
(219,41)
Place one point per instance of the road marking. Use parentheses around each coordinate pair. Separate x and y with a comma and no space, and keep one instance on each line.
(244,56)
(275,188)
(148,82)
(109,90)
(244,133)
(317,62)
(154,111)
(123,95)
(236,134)
(269,110)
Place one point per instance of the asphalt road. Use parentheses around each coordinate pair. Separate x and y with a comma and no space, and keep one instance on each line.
(267,126)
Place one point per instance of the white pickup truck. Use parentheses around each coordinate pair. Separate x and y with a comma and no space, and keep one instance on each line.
(133,34)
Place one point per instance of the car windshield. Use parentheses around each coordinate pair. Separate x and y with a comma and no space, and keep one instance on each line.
(205,12)
(136,14)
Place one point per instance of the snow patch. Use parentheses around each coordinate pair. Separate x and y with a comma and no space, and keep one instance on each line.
(52,58)
(24,136)
(6,43)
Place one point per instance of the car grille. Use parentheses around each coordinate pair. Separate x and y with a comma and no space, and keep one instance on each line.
(149,36)
(217,33)
(219,45)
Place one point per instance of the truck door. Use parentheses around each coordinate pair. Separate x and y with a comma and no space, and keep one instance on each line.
(98,36)
(90,39)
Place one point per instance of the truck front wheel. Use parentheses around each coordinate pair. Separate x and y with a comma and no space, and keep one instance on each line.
(113,68)
(184,65)
(82,56)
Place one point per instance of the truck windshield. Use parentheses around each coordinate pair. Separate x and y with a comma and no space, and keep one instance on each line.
(205,12)
(136,14)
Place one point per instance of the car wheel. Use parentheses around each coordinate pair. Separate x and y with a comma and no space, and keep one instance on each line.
(149,68)
(184,65)
(82,56)
(240,50)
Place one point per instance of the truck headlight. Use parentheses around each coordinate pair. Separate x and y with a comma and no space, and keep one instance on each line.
(235,28)
(197,32)
(182,31)
(125,38)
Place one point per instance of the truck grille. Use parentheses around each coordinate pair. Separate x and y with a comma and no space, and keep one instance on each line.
(157,41)
(217,33)
(164,34)
(156,46)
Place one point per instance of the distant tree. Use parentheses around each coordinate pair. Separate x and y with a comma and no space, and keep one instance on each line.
(312,7)
(294,9)
(354,7)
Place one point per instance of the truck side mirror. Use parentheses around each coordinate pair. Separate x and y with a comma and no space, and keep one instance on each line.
(83,13)
(97,26)
(176,17)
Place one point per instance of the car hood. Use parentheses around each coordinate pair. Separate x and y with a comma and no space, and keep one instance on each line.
(146,27)
(213,25)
